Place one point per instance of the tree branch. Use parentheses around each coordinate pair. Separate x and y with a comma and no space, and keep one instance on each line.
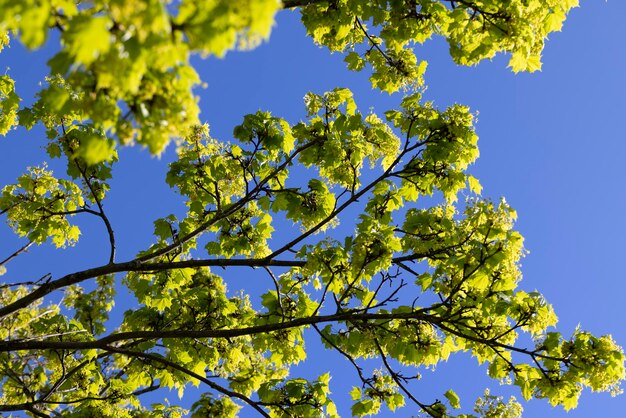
(289,4)
(16,253)
(100,213)
(346,316)
(105,342)
(355,197)
(134,265)
(212,385)
(228,212)
(394,376)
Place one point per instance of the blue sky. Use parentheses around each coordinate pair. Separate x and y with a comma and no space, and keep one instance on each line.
(551,142)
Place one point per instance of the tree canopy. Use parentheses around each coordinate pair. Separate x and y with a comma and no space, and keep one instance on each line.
(430,269)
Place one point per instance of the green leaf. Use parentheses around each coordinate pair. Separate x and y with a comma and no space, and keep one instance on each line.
(354,61)
(9,104)
(95,149)
(474,185)
(96,30)
(454,400)
(355,393)
(517,62)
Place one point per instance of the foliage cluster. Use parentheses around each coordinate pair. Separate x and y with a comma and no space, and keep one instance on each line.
(121,75)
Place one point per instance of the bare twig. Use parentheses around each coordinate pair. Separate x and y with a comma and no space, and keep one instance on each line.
(16,253)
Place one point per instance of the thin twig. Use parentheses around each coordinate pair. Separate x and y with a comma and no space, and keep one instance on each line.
(16,253)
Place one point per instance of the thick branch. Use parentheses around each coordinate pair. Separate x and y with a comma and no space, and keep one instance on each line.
(26,406)
(80,276)
(139,266)
(105,342)
(288,4)
(420,315)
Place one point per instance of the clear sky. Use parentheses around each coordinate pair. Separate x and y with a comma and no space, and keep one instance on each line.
(551,142)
